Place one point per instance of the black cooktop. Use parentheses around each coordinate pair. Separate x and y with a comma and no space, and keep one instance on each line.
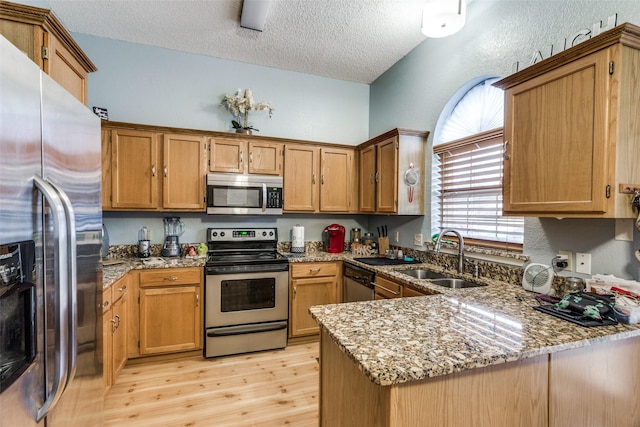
(384,261)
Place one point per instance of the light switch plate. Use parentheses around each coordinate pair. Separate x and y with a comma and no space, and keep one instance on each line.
(624,229)
(396,237)
(583,263)
(417,239)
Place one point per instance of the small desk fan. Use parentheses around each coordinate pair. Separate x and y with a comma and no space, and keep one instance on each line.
(537,278)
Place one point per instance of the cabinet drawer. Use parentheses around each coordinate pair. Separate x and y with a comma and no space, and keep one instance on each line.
(119,288)
(387,288)
(410,292)
(313,269)
(171,276)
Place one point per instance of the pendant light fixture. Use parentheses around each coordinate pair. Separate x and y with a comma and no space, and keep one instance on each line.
(442,18)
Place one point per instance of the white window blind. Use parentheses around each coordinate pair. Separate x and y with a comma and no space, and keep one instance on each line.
(469,188)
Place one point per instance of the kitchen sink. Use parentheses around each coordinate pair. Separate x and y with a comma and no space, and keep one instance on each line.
(422,274)
(440,279)
(449,282)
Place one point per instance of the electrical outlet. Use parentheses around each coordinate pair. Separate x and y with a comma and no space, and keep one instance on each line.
(396,237)
(569,255)
(417,239)
(583,263)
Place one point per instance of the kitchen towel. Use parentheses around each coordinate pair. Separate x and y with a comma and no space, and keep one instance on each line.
(297,239)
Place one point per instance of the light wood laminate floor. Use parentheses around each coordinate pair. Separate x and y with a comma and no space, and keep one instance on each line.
(270,388)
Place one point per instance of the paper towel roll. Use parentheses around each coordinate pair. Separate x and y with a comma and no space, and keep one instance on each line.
(297,239)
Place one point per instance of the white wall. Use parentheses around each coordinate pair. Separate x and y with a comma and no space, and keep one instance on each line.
(414,91)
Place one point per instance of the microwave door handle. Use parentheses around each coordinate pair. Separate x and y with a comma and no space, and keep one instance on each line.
(62,298)
(264,197)
(72,282)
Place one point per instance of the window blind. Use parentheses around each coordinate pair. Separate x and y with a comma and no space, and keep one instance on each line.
(469,180)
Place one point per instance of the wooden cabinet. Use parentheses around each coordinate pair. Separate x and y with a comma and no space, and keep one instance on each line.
(245,156)
(319,179)
(313,283)
(39,34)
(571,130)
(385,288)
(387,166)
(114,312)
(148,170)
(408,291)
(170,310)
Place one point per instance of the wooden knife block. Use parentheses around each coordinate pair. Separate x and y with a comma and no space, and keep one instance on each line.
(383,245)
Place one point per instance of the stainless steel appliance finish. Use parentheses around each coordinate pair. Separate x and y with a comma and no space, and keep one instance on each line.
(246,292)
(235,194)
(50,194)
(358,283)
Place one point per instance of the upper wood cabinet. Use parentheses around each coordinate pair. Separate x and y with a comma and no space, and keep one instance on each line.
(39,34)
(245,156)
(319,179)
(384,179)
(571,132)
(152,171)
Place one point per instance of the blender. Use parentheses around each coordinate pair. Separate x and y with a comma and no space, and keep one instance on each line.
(173,229)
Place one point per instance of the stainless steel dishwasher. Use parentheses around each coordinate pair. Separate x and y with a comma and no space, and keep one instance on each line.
(358,283)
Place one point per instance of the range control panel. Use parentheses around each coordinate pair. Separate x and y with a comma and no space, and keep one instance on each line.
(241,234)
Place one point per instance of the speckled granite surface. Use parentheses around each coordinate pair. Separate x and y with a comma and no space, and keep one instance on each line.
(400,340)
(115,268)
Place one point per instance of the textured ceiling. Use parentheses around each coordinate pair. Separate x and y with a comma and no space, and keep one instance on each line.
(352,40)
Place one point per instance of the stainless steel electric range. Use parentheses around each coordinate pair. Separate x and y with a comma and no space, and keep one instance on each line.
(246,291)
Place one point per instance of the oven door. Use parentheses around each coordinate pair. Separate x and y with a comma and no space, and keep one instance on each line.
(246,297)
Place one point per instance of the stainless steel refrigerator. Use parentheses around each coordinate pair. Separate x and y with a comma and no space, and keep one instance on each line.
(50,197)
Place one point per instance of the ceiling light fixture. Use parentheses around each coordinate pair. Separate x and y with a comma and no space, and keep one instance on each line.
(442,18)
(254,14)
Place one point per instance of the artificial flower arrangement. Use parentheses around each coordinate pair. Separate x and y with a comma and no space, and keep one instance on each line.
(240,105)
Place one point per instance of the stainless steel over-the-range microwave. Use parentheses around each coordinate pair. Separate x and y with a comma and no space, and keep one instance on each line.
(235,194)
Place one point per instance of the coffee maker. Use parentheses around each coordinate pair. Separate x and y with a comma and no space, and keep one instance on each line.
(173,228)
(333,237)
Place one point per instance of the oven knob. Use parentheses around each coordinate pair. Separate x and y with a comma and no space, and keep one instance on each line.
(264,233)
(222,234)
(271,233)
(214,234)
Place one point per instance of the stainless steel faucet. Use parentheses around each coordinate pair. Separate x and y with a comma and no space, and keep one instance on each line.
(460,246)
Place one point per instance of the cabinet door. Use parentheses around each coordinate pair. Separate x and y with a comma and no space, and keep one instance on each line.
(227,155)
(170,319)
(385,289)
(555,131)
(184,169)
(336,178)
(119,337)
(304,294)
(61,65)
(387,176)
(367,179)
(107,349)
(135,169)
(265,158)
(300,178)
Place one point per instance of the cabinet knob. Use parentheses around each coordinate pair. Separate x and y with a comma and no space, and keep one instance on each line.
(122,289)
(314,270)
(171,279)
(377,177)
(197,300)
(153,170)
(165,171)
(313,179)
(505,155)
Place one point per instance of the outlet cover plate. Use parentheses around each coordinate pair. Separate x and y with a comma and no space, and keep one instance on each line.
(569,255)
(583,263)
(417,239)
(396,237)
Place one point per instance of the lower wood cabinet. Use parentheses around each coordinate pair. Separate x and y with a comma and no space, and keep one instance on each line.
(170,310)
(386,288)
(114,322)
(313,283)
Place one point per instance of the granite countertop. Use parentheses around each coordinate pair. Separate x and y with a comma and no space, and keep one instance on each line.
(404,339)
(114,269)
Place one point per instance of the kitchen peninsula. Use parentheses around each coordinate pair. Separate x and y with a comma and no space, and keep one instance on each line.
(479,357)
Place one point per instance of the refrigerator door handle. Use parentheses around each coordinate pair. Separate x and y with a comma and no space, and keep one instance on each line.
(73,280)
(62,313)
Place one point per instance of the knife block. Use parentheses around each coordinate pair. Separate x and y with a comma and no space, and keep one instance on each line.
(383,245)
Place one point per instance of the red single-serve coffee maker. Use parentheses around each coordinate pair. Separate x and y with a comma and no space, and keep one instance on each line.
(333,236)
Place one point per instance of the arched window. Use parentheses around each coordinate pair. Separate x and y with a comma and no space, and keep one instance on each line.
(467,168)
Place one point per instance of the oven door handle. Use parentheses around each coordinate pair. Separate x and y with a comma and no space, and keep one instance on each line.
(246,329)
